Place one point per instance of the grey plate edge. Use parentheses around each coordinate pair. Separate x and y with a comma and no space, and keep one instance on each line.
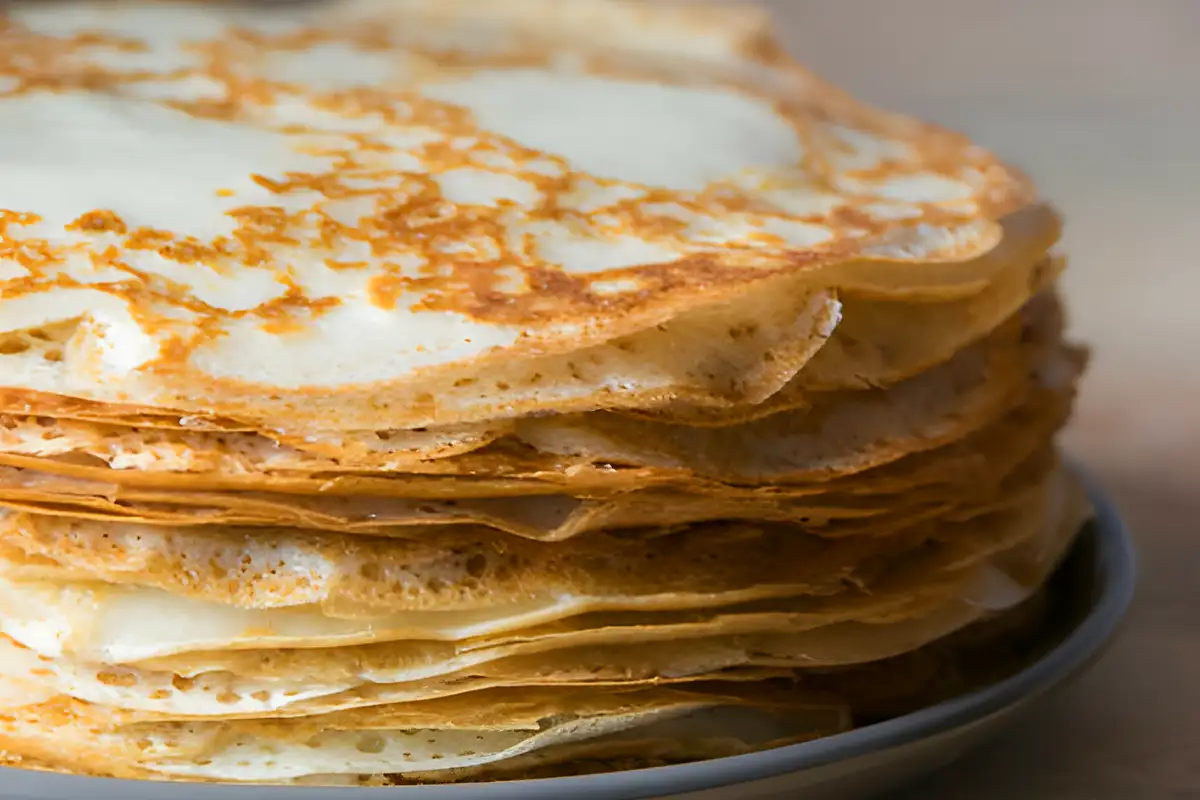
(1116,566)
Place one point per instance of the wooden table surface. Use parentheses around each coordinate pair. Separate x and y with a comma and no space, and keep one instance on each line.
(1100,101)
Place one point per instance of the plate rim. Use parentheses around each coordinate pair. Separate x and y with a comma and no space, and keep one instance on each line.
(1115,565)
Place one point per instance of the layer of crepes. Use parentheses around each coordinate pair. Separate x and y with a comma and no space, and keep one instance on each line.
(354,576)
(291,604)
(541,517)
(974,656)
(959,472)
(460,735)
(839,434)
(893,620)
(974,383)
(440,734)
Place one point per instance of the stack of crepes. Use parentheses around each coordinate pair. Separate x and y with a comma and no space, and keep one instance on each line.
(448,390)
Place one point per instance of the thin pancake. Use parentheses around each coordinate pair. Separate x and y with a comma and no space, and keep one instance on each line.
(414,280)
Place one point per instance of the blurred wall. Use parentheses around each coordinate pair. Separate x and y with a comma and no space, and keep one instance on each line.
(1055,54)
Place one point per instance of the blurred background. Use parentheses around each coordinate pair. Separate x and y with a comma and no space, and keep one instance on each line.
(1100,101)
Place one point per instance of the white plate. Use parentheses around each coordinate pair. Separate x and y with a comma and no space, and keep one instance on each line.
(852,765)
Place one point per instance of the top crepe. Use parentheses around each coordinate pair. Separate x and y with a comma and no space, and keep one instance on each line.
(438,213)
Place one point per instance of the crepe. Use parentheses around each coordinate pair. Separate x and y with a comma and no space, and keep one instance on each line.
(671,233)
(877,342)
(415,391)
(360,600)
